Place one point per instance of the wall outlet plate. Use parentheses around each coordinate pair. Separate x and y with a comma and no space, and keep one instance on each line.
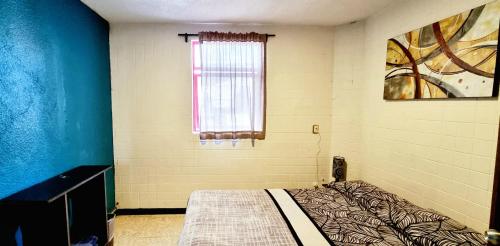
(315,129)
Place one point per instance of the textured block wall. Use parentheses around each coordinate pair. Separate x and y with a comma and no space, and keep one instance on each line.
(159,161)
(348,71)
(438,154)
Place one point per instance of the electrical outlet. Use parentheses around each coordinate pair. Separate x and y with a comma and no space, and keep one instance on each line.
(315,129)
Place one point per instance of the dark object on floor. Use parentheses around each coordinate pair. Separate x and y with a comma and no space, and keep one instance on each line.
(91,241)
(339,168)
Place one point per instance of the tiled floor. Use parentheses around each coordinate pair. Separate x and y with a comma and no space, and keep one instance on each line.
(148,230)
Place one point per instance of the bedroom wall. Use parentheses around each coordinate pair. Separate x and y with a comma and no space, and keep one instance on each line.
(437,154)
(348,75)
(159,161)
(55,91)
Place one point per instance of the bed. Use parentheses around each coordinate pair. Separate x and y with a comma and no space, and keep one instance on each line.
(343,213)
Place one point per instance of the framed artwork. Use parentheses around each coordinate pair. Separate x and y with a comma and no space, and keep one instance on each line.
(452,58)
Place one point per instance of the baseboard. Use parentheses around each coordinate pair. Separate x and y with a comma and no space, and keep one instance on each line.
(149,211)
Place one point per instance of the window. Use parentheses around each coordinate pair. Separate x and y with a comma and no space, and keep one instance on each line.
(228,89)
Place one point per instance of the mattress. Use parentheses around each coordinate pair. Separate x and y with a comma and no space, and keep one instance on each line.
(344,213)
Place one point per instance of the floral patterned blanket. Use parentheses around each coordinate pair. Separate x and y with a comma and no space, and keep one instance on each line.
(358,213)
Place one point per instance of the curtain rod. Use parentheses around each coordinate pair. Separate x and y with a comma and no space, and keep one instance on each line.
(187,35)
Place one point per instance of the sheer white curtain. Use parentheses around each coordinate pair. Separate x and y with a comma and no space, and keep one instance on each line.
(231,91)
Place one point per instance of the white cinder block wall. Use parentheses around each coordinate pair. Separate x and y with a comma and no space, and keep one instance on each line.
(348,77)
(438,154)
(159,161)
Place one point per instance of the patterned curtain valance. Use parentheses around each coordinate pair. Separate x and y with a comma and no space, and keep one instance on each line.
(232,37)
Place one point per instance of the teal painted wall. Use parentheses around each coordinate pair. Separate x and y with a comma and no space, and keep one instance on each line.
(55,95)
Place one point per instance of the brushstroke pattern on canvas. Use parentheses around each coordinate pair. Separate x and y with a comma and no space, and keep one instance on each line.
(455,57)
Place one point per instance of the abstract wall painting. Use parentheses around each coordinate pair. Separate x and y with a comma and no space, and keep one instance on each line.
(453,58)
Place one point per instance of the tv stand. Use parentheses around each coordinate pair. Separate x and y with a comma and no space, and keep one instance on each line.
(62,210)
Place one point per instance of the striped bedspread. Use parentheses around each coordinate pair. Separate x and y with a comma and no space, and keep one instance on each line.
(345,213)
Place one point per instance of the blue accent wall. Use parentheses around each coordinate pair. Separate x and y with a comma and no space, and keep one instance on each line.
(55,95)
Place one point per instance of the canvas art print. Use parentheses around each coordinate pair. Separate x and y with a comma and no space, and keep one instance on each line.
(453,58)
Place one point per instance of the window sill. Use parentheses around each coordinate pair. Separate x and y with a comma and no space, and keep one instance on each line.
(231,135)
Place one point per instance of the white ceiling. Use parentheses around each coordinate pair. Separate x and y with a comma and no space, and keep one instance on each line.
(301,12)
